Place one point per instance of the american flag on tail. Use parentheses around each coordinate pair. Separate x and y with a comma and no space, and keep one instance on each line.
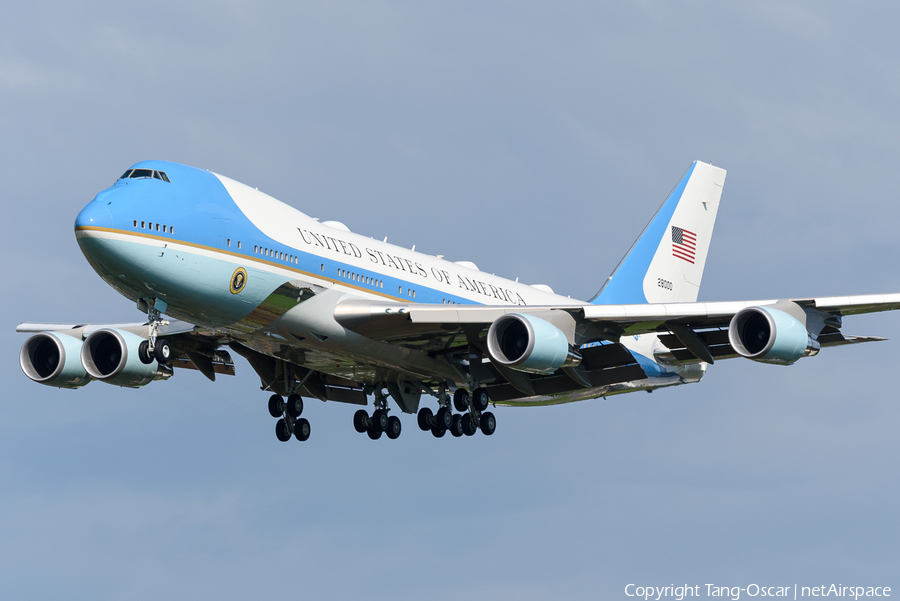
(684,244)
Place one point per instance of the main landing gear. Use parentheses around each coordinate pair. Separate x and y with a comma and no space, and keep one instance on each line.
(379,422)
(290,422)
(472,417)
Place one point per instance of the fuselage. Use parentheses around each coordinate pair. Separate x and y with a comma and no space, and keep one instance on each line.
(216,252)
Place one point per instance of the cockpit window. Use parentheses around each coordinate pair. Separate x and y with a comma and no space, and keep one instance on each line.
(144,174)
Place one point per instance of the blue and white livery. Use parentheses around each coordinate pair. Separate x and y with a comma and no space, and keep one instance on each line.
(321,312)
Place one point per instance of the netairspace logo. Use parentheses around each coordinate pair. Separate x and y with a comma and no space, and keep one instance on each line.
(678,593)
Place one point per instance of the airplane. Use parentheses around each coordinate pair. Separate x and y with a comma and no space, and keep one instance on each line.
(324,313)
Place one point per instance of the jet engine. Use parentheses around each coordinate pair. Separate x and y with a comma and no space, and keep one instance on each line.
(111,356)
(530,344)
(54,359)
(770,336)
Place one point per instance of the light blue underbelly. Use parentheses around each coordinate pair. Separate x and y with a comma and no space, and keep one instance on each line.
(197,288)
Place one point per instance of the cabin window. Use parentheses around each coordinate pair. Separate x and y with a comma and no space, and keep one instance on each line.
(157,227)
(165,229)
(171,229)
(239,244)
(135,223)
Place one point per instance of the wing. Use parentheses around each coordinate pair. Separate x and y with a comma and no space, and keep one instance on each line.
(690,331)
(193,347)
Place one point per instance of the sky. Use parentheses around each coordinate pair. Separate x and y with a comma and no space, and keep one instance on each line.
(536,139)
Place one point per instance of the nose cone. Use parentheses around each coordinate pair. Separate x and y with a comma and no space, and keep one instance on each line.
(95,214)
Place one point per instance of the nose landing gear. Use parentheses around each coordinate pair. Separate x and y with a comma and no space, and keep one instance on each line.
(155,347)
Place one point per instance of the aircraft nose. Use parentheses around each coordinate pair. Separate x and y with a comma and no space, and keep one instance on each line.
(95,214)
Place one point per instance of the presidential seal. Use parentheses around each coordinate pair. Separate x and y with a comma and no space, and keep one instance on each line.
(238,279)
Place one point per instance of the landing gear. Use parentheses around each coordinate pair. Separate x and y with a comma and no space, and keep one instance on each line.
(456,428)
(281,430)
(288,425)
(425,418)
(472,417)
(480,399)
(461,400)
(444,418)
(294,405)
(154,348)
(301,429)
(380,419)
(276,406)
(488,423)
(360,420)
(163,352)
(393,428)
(379,422)
(468,425)
(144,353)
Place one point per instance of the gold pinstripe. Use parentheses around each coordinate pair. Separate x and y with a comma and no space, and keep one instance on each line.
(241,257)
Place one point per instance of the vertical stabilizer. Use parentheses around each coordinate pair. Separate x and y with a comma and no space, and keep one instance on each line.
(666,264)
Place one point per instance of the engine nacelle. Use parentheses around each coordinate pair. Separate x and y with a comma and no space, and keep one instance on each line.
(530,344)
(111,356)
(54,359)
(770,336)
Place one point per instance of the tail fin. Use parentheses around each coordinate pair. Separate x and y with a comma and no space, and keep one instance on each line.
(666,263)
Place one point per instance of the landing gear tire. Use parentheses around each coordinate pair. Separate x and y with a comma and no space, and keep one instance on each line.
(380,420)
(438,432)
(461,399)
(468,425)
(294,405)
(301,429)
(480,399)
(373,433)
(360,420)
(162,352)
(425,417)
(488,423)
(281,431)
(275,406)
(444,418)
(393,427)
(456,428)
(144,353)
